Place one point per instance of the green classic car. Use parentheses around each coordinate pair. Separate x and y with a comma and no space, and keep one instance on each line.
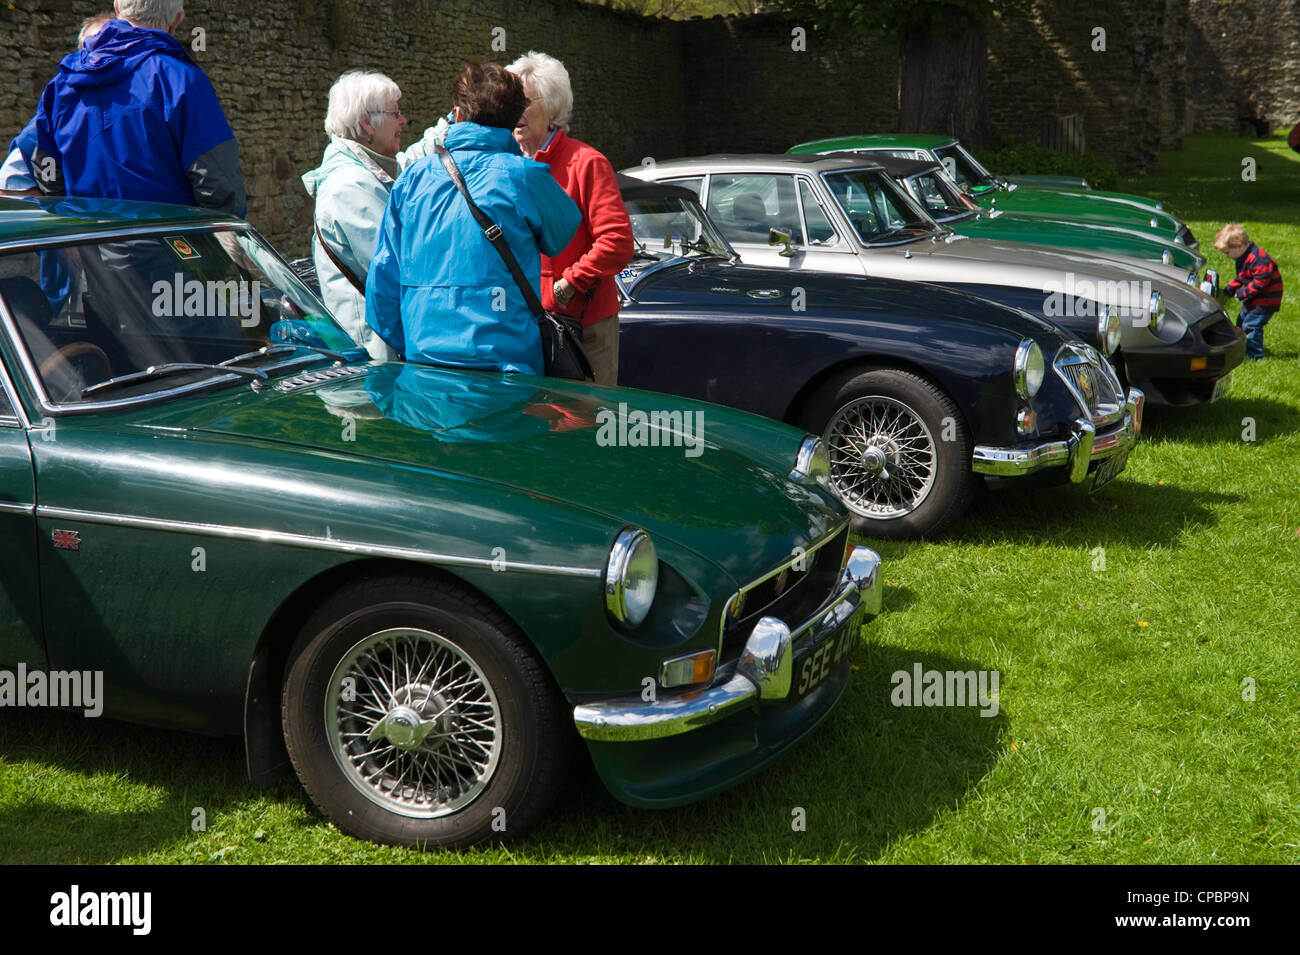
(419,586)
(929,184)
(992,192)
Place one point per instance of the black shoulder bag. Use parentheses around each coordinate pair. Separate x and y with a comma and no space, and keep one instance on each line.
(561,335)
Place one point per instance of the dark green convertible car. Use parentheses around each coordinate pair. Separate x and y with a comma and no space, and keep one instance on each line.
(418,586)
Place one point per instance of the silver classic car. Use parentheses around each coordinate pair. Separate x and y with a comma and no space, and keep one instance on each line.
(845,213)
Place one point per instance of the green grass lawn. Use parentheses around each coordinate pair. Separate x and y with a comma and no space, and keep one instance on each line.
(1122,734)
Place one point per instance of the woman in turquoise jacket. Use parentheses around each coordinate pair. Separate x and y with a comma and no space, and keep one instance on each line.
(437,291)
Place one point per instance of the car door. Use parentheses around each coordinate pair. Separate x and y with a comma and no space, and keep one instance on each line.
(21,634)
(747,207)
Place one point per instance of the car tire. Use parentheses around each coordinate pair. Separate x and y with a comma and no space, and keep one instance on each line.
(450,732)
(899,449)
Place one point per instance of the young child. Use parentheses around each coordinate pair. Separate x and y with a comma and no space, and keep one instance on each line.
(1258,284)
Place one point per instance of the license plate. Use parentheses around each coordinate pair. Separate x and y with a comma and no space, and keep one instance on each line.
(824,659)
(1109,469)
(1222,387)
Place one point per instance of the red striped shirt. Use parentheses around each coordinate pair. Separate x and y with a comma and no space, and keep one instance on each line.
(1258,283)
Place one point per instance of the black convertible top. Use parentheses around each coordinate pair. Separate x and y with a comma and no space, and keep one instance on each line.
(633,188)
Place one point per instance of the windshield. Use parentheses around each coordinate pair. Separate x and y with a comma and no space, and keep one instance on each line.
(877,208)
(940,196)
(141,305)
(666,227)
(965,169)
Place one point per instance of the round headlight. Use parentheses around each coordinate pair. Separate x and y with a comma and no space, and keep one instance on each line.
(1156,310)
(1108,330)
(1029,368)
(631,577)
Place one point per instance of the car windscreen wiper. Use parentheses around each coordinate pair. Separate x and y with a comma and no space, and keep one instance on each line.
(266,351)
(171,368)
(919,231)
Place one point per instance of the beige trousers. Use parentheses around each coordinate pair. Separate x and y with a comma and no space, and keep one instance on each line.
(600,341)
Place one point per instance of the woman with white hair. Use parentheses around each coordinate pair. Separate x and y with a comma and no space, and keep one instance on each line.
(351,188)
(580,280)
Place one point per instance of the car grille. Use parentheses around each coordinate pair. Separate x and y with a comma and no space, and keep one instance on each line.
(1092,381)
(1220,331)
(786,592)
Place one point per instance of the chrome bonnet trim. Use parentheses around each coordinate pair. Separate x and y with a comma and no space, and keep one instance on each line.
(285,538)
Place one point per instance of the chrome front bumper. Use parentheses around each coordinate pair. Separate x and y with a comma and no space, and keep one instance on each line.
(763,673)
(1075,453)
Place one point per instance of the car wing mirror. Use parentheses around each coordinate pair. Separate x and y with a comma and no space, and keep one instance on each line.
(777,237)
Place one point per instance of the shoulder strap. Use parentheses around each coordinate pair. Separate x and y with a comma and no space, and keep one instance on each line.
(360,286)
(492,232)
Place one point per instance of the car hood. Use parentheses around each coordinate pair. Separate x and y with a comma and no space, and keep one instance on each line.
(717,284)
(968,261)
(551,439)
(1107,240)
(1077,206)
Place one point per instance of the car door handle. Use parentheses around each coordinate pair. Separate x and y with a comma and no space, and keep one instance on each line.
(764,293)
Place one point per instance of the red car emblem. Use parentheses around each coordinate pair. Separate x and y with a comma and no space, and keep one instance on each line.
(67,540)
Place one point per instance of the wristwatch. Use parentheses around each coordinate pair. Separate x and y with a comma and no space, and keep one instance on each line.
(557,291)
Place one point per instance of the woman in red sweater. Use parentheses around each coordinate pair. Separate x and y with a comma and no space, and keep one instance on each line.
(580,280)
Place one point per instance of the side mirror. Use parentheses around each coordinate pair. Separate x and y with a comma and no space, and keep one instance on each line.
(777,237)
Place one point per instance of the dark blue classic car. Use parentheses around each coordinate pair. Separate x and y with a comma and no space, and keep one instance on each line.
(917,390)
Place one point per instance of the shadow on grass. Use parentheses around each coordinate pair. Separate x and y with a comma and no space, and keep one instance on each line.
(1226,420)
(1123,512)
(871,774)
(181,770)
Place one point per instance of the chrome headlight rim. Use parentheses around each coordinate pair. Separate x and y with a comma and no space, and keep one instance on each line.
(1029,368)
(812,462)
(1156,311)
(627,598)
(1109,330)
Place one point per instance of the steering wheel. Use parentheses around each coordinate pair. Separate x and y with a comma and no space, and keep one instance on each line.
(66,354)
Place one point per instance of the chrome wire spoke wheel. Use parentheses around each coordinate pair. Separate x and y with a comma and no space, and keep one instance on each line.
(413,723)
(882,457)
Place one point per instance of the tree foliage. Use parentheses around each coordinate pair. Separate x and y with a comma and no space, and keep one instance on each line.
(899,18)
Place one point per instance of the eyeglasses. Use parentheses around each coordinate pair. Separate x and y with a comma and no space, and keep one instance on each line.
(398,113)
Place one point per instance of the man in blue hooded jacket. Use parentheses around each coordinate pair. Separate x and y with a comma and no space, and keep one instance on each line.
(131,116)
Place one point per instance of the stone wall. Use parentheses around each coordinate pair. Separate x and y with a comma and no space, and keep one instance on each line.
(643,88)
(754,85)
(272,66)
(1130,93)
(1238,48)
